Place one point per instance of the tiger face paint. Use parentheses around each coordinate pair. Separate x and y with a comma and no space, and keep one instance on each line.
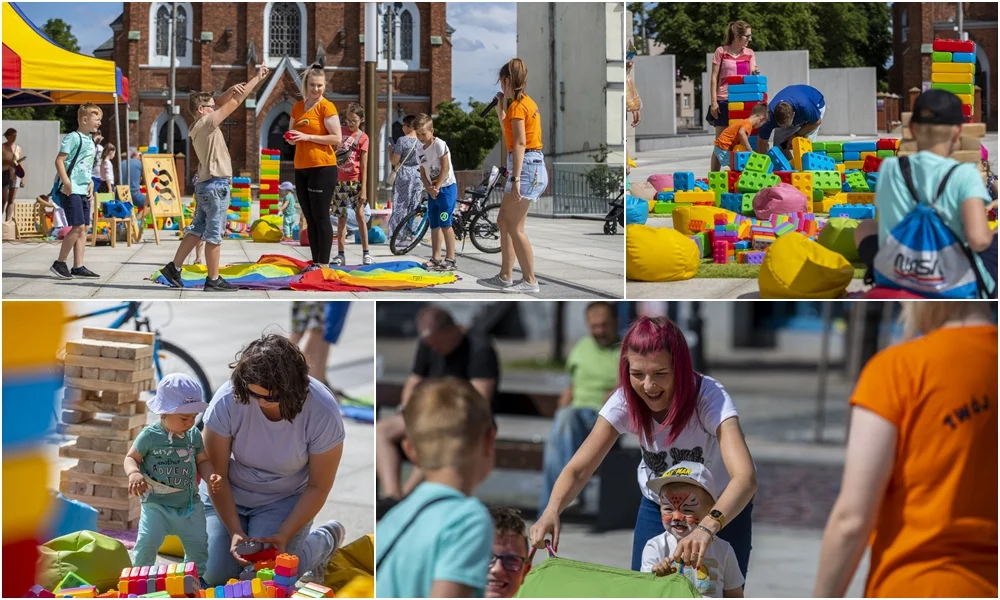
(681,509)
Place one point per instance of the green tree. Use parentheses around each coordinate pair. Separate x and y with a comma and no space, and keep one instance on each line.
(61,33)
(638,10)
(604,180)
(469,136)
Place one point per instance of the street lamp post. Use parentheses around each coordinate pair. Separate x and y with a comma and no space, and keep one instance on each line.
(173,77)
(371,90)
(390,15)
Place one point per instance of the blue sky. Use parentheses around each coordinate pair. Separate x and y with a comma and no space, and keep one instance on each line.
(485,37)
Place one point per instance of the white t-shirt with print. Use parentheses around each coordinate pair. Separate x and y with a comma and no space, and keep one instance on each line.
(697,442)
(719,570)
(430,161)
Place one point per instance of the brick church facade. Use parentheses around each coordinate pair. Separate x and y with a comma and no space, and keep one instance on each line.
(918,24)
(220,44)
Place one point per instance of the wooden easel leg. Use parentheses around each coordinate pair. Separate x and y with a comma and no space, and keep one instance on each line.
(113,235)
(93,223)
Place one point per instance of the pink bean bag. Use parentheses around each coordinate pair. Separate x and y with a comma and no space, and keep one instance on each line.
(661,182)
(782,199)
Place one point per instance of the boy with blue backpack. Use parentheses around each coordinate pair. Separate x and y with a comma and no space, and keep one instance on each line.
(932,233)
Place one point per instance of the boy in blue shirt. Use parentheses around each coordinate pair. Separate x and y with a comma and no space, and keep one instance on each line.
(936,125)
(796,111)
(438,542)
(289,217)
(74,165)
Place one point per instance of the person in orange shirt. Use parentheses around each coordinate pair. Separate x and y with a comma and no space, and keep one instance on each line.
(921,463)
(522,132)
(315,132)
(738,132)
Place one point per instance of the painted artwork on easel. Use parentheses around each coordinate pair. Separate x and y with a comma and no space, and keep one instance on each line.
(160,175)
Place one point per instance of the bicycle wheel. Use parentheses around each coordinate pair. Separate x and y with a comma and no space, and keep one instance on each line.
(410,232)
(174,359)
(484,231)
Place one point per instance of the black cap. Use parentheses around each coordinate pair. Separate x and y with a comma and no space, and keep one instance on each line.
(938,107)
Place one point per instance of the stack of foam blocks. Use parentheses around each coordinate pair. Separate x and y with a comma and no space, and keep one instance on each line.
(745,92)
(31,338)
(953,69)
(105,374)
(175,580)
(270,171)
(238,215)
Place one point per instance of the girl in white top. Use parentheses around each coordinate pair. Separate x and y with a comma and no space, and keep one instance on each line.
(107,171)
(679,415)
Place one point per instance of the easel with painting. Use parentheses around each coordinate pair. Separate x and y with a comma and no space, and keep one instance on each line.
(162,196)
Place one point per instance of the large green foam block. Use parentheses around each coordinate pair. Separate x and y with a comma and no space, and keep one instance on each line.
(835,147)
(758,162)
(954,88)
(664,208)
(885,153)
(941,57)
(826,180)
(746,207)
(751,181)
(564,578)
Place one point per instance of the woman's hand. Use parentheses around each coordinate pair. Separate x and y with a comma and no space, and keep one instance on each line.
(664,567)
(278,540)
(691,550)
(636,117)
(294,137)
(363,196)
(547,524)
(714,110)
(500,104)
(137,484)
(515,189)
(238,538)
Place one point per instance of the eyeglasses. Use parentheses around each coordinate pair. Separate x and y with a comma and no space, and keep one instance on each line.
(748,35)
(273,398)
(354,121)
(509,562)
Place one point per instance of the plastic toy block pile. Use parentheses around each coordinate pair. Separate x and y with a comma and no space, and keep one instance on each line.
(954,70)
(270,171)
(745,92)
(238,215)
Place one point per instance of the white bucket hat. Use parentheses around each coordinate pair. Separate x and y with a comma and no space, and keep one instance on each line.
(177,394)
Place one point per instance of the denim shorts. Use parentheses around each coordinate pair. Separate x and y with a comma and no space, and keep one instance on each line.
(439,209)
(725,159)
(534,176)
(211,202)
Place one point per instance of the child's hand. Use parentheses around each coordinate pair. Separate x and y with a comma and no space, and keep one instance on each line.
(434,191)
(137,484)
(67,189)
(362,197)
(262,72)
(237,89)
(215,483)
(664,567)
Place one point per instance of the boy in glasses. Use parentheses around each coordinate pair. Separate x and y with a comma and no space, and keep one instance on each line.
(509,564)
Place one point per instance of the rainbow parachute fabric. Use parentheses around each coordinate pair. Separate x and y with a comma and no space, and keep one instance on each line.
(279,272)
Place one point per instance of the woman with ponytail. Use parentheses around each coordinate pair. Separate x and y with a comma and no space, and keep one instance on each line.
(733,57)
(527,178)
(679,415)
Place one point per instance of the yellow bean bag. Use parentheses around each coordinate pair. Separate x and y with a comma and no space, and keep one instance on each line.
(172,546)
(683,215)
(796,267)
(267,229)
(350,566)
(659,254)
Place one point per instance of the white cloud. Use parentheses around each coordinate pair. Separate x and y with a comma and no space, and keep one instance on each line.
(485,39)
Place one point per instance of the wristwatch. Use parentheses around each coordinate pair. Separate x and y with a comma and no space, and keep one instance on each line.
(718,516)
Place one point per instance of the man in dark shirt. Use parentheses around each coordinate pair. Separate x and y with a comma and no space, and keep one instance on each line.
(446,349)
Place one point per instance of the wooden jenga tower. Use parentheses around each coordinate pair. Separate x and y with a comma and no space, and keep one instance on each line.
(106,372)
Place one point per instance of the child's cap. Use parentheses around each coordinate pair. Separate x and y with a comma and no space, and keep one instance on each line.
(937,107)
(287,186)
(177,394)
(685,472)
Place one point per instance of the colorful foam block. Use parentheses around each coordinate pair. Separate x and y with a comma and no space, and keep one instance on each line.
(760,163)
(966,78)
(943,45)
(857,182)
(853,211)
(800,146)
(747,97)
(683,182)
(803,182)
(872,163)
(955,88)
(950,67)
(941,57)
(814,161)
(739,160)
(779,160)
(693,197)
(963,57)
(827,181)
(734,177)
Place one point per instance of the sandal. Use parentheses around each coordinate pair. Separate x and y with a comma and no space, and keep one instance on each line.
(447,264)
(432,264)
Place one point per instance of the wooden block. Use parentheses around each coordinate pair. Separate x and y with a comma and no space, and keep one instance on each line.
(73,371)
(83,348)
(133,351)
(94,479)
(101,468)
(76,394)
(119,397)
(976,130)
(102,491)
(109,351)
(74,450)
(97,428)
(99,407)
(967,156)
(84,443)
(135,433)
(98,385)
(85,466)
(119,447)
(75,416)
(136,364)
(100,444)
(119,335)
(128,423)
(140,408)
(134,376)
(118,470)
(108,375)
(88,373)
(76,488)
(119,493)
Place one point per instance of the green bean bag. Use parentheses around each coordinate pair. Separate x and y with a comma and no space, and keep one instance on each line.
(564,578)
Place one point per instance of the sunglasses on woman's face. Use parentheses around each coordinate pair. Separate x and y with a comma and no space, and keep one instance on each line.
(273,398)
(509,562)
(748,35)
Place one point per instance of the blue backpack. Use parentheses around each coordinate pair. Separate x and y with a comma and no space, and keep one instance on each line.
(922,255)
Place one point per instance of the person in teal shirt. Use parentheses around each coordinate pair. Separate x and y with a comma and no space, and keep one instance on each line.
(289,216)
(161,467)
(964,202)
(593,371)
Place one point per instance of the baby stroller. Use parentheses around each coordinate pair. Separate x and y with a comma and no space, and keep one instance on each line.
(616,216)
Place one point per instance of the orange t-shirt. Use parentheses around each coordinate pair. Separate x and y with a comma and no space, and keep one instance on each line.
(526,110)
(730,136)
(936,530)
(310,154)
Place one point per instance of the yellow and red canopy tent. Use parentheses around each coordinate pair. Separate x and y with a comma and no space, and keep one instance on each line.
(39,72)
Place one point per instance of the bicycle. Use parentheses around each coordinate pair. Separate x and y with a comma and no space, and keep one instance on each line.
(167,357)
(472,216)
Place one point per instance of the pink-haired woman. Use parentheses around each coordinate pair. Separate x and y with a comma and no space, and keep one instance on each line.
(678,415)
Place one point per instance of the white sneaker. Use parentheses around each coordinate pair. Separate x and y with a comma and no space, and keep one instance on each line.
(523,287)
(368,259)
(339,260)
(496,282)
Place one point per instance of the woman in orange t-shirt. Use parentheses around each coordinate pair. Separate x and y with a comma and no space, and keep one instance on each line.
(527,178)
(315,133)
(921,465)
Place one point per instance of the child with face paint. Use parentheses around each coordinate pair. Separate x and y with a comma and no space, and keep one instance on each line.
(687,494)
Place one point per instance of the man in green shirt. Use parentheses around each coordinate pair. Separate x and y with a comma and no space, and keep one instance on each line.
(593,369)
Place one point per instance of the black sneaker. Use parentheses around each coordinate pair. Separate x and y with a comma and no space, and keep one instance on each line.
(172,274)
(219,285)
(60,270)
(84,272)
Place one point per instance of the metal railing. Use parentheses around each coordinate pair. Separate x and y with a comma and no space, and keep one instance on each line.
(578,189)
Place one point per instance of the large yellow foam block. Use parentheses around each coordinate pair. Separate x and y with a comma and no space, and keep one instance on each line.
(694,196)
(32,333)
(26,499)
(659,254)
(796,267)
(683,215)
(952,78)
(940,67)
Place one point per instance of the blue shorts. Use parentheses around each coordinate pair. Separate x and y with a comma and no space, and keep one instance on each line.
(211,202)
(725,159)
(534,175)
(77,208)
(723,119)
(439,209)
